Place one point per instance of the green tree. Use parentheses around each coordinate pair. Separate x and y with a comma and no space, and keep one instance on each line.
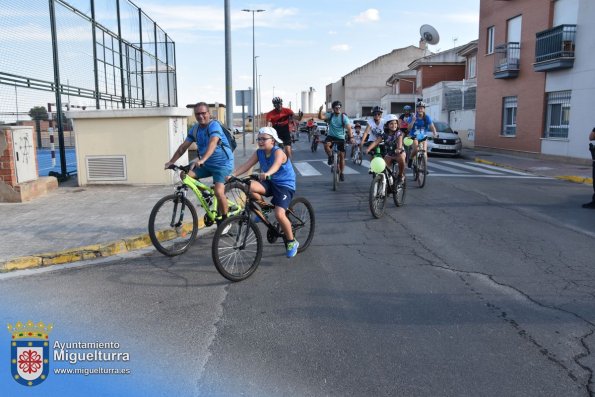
(38,113)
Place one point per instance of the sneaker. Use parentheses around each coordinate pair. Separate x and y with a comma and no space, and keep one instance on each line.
(401,179)
(409,163)
(590,205)
(342,177)
(330,160)
(292,248)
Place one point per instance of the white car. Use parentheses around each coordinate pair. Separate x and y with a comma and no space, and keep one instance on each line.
(322,127)
(448,142)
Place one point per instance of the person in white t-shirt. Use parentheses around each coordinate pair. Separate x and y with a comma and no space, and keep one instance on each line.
(374,129)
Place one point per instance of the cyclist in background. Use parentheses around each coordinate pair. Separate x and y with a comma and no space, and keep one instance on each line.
(405,119)
(311,126)
(420,125)
(337,124)
(279,119)
(357,137)
(374,129)
(393,146)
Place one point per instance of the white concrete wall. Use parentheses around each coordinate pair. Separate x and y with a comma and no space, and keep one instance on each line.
(146,137)
(367,84)
(463,121)
(580,79)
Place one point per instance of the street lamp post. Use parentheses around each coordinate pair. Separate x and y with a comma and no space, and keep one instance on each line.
(256,90)
(253,67)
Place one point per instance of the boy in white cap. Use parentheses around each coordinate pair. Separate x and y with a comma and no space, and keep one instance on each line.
(277,179)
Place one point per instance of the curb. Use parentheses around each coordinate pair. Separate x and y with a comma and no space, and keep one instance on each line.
(94,251)
(570,178)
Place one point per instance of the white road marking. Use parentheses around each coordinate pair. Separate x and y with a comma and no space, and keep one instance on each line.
(501,169)
(474,168)
(441,167)
(305,169)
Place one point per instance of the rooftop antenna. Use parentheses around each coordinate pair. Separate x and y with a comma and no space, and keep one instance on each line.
(428,35)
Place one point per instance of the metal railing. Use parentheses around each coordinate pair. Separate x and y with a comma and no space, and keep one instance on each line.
(507,57)
(554,43)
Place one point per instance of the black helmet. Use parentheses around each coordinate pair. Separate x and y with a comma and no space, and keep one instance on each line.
(336,103)
(277,101)
(377,109)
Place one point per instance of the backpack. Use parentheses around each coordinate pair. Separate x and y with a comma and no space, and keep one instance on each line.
(226,131)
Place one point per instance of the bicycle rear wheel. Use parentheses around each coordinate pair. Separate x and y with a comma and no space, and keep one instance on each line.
(399,188)
(301,215)
(377,196)
(422,170)
(237,248)
(171,230)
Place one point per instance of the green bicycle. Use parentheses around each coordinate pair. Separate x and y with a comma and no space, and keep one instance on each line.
(171,230)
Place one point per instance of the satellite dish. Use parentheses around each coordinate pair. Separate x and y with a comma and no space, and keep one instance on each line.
(429,34)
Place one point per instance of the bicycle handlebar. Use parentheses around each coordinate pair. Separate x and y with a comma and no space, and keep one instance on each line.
(185,168)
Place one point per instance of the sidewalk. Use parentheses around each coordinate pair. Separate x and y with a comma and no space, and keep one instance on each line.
(77,223)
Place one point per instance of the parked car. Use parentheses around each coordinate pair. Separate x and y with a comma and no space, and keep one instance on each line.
(302,127)
(448,142)
(362,122)
(322,127)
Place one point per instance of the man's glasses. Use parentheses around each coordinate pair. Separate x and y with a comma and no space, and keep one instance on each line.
(376,113)
(262,139)
(200,113)
(337,107)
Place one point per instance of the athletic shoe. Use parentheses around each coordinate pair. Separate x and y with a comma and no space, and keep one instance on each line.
(292,248)
(330,160)
(590,205)
(342,177)
(401,180)
(409,163)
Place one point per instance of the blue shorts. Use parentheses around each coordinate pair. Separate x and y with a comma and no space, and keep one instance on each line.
(282,195)
(218,173)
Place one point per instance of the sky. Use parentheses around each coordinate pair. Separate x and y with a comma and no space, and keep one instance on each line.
(299,44)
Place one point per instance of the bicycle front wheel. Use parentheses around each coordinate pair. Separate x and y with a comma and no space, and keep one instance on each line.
(377,196)
(171,230)
(358,158)
(422,170)
(237,248)
(301,215)
(236,194)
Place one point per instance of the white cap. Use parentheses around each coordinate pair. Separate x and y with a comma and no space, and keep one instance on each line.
(270,131)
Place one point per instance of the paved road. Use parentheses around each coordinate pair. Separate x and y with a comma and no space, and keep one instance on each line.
(477,286)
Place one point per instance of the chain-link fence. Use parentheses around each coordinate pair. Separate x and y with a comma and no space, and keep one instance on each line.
(79,54)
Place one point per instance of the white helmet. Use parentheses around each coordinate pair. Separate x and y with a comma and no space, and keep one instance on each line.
(391,117)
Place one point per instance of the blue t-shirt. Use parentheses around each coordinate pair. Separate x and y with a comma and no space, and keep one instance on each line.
(222,156)
(336,127)
(422,125)
(285,176)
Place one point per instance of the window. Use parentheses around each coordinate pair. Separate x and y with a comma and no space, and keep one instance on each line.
(558,114)
(471,67)
(490,42)
(418,79)
(509,108)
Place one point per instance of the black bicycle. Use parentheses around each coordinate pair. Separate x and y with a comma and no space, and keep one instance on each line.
(384,183)
(237,244)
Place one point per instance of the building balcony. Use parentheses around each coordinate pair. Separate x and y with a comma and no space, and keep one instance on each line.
(506,60)
(554,48)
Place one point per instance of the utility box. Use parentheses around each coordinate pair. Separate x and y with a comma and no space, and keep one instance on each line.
(19,179)
(128,146)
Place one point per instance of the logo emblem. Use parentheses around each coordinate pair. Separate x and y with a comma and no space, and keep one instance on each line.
(29,352)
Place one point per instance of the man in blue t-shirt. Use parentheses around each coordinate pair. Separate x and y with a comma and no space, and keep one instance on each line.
(337,124)
(215,157)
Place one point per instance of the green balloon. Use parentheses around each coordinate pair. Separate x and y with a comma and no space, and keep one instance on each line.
(407,141)
(377,165)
